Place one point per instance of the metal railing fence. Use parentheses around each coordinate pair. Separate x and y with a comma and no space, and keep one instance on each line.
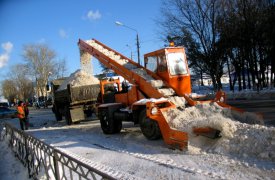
(43,159)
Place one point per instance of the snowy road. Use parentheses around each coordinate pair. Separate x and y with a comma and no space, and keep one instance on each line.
(266,107)
(132,153)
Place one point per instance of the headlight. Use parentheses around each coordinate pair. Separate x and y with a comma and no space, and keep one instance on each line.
(154,111)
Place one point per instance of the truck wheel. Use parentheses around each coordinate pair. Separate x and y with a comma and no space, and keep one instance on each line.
(150,128)
(118,126)
(57,114)
(68,116)
(107,124)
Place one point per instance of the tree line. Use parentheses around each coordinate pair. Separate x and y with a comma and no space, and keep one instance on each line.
(30,78)
(234,37)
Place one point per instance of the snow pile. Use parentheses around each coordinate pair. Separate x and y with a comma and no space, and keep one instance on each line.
(177,100)
(79,78)
(236,138)
(249,141)
(202,115)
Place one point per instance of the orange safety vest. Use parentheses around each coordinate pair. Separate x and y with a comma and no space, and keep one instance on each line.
(20,112)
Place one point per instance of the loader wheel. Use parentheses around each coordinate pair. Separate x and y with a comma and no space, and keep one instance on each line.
(68,116)
(108,125)
(150,128)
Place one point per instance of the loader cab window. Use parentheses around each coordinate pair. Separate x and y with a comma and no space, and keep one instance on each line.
(162,66)
(151,63)
(177,64)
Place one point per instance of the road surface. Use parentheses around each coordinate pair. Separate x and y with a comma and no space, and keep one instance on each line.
(265,107)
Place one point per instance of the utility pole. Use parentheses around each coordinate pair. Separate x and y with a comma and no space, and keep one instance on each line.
(138,45)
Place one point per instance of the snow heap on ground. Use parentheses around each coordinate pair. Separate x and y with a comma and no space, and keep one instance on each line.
(79,78)
(236,138)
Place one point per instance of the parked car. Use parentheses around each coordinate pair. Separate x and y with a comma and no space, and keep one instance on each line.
(5,104)
(6,112)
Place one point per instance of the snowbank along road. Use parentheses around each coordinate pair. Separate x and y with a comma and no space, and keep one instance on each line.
(130,152)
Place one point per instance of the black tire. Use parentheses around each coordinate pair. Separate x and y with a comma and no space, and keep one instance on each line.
(58,115)
(118,126)
(108,125)
(68,116)
(150,128)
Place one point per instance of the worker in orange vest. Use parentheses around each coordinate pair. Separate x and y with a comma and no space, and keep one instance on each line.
(22,116)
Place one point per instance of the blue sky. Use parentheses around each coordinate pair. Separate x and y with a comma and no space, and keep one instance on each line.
(60,23)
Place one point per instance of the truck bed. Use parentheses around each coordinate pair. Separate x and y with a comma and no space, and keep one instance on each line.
(77,95)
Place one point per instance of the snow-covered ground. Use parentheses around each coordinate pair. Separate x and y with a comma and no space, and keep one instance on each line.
(248,94)
(130,152)
(10,166)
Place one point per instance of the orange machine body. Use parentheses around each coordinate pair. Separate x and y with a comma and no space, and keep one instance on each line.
(170,64)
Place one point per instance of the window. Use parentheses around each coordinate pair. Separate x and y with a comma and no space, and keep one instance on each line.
(152,63)
(177,64)
(162,64)
(4,104)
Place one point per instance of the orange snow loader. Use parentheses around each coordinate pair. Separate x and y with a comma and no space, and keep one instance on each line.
(152,87)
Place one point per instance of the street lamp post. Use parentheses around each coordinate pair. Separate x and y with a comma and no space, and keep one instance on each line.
(120,24)
(131,50)
(47,86)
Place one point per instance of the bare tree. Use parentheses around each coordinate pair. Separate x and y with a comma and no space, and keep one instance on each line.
(19,74)
(18,86)
(198,18)
(40,62)
(60,69)
(9,89)
(247,30)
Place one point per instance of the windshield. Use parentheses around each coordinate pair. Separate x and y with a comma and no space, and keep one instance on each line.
(177,64)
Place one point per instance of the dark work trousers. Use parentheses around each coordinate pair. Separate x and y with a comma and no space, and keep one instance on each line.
(24,123)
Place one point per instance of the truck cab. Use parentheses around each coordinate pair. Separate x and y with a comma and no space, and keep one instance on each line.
(171,65)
